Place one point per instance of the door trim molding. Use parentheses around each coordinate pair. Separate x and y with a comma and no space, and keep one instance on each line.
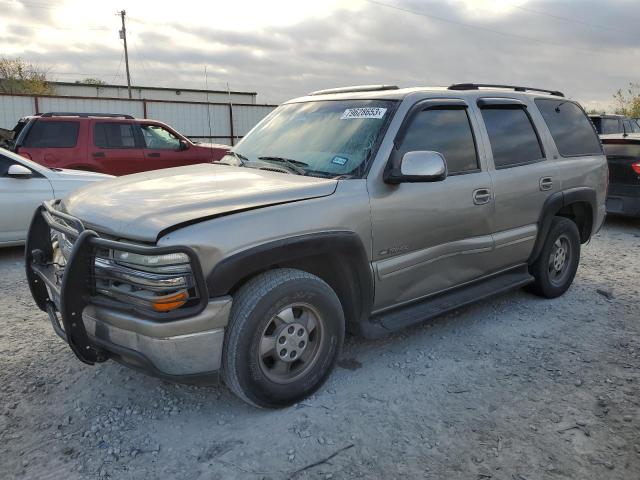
(401,263)
(484,243)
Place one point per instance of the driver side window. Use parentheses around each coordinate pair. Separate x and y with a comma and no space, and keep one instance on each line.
(158,138)
(446,131)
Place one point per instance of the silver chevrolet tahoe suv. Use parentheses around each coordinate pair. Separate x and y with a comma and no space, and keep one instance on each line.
(361,209)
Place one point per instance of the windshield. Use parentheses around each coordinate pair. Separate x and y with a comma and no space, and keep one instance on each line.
(323,138)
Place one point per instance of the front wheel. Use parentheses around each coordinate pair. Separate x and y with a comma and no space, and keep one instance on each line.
(284,335)
(556,266)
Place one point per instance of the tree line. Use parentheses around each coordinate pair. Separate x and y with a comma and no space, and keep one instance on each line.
(19,76)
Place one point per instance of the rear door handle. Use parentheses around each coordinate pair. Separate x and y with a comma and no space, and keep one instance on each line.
(98,155)
(481,196)
(153,154)
(546,183)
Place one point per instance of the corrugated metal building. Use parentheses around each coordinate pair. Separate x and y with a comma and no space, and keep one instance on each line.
(215,116)
(68,89)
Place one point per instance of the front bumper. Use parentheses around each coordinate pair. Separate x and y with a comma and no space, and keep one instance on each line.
(181,350)
(184,345)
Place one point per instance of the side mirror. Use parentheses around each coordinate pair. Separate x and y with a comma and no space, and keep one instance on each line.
(184,145)
(418,166)
(19,171)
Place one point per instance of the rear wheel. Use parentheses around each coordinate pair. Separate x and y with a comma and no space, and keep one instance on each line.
(556,266)
(284,335)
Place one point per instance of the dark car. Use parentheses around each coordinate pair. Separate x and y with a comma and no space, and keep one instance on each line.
(623,156)
(107,143)
(614,124)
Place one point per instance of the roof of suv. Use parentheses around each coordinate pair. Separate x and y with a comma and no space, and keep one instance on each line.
(388,92)
(79,115)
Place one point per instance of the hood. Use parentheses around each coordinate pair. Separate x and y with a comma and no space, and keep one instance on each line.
(65,173)
(142,206)
(217,146)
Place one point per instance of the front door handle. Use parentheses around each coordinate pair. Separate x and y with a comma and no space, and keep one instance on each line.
(153,154)
(481,196)
(546,183)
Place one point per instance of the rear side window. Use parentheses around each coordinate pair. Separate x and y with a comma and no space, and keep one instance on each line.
(52,134)
(447,131)
(513,139)
(114,135)
(569,127)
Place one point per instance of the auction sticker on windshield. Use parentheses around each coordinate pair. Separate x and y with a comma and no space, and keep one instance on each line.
(363,112)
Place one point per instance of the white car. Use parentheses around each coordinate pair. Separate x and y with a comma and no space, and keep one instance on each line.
(24,185)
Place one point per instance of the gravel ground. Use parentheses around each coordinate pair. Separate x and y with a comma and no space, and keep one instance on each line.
(511,388)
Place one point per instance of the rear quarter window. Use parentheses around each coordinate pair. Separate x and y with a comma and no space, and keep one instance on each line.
(570,128)
(52,134)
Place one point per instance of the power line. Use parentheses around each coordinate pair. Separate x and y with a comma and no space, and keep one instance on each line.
(140,56)
(560,17)
(476,27)
(119,65)
(104,29)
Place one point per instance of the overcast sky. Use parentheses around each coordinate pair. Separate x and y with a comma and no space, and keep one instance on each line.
(285,48)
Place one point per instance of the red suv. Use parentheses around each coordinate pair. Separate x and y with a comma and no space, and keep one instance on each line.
(107,143)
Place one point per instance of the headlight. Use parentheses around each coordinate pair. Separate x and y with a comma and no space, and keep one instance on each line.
(167,263)
(156,282)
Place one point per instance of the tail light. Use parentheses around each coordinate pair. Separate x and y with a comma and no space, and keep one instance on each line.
(636,167)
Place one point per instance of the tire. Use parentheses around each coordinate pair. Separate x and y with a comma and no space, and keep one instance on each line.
(556,266)
(283,339)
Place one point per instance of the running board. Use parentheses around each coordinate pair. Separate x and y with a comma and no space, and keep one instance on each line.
(417,312)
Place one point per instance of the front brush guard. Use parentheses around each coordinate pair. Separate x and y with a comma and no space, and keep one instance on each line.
(71,297)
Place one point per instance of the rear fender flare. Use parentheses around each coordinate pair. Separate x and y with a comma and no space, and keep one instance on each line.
(553,205)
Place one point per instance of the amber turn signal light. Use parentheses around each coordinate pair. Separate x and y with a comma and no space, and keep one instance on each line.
(170,302)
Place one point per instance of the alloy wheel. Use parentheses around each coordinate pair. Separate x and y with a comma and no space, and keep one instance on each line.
(290,343)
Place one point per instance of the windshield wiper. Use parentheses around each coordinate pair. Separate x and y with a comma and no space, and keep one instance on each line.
(295,165)
(241,158)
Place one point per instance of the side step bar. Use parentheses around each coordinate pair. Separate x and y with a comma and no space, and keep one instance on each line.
(417,312)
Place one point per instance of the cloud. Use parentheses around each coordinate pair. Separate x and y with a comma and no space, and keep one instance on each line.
(586,48)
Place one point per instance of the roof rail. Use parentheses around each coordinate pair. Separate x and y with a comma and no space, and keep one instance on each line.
(85,115)
(356,88)
(477,86)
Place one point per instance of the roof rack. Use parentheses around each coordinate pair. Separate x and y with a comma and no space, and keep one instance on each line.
(356,88)
(477,86)
(85,115)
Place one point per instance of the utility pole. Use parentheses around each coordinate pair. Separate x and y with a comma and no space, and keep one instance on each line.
(123,36)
